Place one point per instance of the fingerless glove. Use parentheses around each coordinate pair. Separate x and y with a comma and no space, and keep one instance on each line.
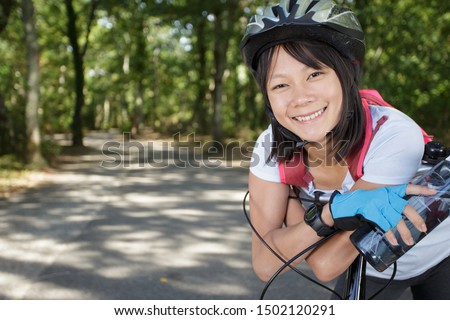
(382,207)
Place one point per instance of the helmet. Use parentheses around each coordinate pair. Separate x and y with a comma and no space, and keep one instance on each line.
(292,20)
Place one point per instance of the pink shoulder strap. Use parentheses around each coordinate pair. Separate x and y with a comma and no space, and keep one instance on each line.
(373,97)
(294,172)
(356,164)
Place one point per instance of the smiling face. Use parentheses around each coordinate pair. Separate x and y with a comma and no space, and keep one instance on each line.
(305,100)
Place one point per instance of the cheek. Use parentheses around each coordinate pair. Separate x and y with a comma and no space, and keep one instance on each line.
(278,111)
(336,114)
(336,119)
(336,97)
(277,105)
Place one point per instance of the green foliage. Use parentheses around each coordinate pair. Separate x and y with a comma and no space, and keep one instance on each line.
(407,59)
(10,163)
(152,64)
(50,150)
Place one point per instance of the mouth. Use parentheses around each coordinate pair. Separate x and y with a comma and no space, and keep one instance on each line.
(311,116)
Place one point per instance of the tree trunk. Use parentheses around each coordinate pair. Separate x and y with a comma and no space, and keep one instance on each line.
(220,48)
(72,32)
(151,116)
(139,64)
(6,7)
(78,57)
(223,26)
(33,79)
(5,129)
(200,109)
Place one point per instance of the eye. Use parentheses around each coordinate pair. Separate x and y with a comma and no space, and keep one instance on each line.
(278,86)
(315,74)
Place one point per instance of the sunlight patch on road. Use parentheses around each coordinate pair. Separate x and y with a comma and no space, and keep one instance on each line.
(129,248)
(150,199)
(14,286)
(228,195)
(47,290)
(206,248)
(39,250)
(117,272)
(184,214)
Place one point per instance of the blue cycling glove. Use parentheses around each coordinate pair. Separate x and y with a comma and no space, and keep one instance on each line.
(383,207)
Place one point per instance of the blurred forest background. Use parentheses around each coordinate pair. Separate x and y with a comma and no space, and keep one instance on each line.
(168,66)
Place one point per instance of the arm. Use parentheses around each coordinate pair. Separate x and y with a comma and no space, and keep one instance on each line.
(333,256)
(270,210)
(269,205)
(393,158)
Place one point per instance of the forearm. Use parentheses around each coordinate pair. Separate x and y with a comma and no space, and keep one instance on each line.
(286,242)
(333,257)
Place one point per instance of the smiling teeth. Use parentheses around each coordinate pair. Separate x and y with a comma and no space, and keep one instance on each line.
(310,117)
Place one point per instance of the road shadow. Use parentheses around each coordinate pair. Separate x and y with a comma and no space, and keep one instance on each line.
(135,230)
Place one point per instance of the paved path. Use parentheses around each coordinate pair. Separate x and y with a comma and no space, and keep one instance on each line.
(105,228)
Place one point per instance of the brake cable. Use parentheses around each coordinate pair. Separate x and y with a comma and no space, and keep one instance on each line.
(290,261)
(285,263)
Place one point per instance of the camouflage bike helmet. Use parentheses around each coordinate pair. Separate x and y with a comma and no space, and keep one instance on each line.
(292,20)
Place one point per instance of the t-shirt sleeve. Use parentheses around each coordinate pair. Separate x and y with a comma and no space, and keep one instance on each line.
(395,152)
(261,165)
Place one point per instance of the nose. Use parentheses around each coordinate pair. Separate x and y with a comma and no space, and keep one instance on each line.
(301,97)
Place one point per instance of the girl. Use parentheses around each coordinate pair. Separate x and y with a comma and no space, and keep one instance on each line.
(306,57)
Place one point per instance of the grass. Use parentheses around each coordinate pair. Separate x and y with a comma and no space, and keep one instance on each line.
(16,176)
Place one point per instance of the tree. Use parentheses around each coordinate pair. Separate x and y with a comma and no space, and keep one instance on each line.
(175,66)
(6,7)
(407,58)
(33,82)
(224,19)
(78,56)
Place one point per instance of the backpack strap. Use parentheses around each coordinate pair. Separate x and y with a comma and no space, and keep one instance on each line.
(294,172)
(373,97)
(355,165)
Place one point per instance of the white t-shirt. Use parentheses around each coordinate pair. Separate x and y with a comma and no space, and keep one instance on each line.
(393,157)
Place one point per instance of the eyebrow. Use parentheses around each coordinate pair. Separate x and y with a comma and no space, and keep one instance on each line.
(304,68)
(276,76)
(281,75)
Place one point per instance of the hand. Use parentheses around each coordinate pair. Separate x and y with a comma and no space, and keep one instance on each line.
(412,216)
(383,207)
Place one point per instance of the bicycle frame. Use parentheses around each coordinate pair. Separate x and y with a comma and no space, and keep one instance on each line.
(355,288)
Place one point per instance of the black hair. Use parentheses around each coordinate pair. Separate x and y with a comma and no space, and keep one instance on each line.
(348,135)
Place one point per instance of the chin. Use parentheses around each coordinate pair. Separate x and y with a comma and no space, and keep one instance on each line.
(313,138)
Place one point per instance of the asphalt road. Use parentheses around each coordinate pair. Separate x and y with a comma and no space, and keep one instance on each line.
(138,221)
